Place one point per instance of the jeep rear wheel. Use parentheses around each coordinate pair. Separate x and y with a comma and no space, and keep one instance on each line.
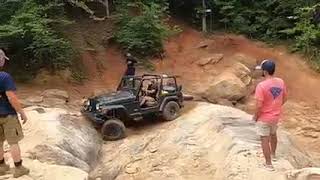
(171,111)
(113,129)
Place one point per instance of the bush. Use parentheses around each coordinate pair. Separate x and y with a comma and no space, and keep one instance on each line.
(31,39)
(307,33)
(274,20)
(142,33)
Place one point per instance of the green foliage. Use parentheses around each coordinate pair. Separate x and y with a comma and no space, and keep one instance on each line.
(274,20)
(259,19)
(307,33)
(142,33)
(31,39)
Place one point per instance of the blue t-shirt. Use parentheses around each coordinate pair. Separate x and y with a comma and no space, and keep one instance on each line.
(6,84)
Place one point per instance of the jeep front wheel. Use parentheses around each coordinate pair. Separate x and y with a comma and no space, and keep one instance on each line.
(171,111)
(113,129)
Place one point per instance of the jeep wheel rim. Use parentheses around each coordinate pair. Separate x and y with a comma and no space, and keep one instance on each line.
(173,111)
(113,130)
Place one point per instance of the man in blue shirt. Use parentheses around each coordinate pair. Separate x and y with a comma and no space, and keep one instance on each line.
(10,127)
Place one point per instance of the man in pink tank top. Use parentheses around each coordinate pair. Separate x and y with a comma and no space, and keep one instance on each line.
(270,95)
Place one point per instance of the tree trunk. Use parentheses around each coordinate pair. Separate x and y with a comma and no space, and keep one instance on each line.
(107,8)
(204,18)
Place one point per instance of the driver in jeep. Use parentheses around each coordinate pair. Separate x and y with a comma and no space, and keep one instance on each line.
(150,94)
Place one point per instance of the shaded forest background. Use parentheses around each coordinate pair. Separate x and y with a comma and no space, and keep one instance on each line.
(32,31)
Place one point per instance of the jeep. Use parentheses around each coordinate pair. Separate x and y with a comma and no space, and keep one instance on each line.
(132,101)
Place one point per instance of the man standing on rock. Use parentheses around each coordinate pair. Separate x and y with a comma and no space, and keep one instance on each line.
(10,127)
(270,96)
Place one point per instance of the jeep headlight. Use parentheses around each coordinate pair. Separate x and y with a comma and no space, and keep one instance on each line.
(98,108)
(87,103)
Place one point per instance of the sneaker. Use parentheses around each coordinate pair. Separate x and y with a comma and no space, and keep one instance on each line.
(268,167)
(4,168)
(274,158)
(20,171)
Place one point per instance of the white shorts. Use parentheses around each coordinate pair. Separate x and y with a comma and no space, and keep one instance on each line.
(266,129)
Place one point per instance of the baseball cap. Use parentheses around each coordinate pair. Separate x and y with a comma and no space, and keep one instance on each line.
(267,65)
(3,58)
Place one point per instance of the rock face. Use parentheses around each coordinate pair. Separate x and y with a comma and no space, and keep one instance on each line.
(52,135)
(213,59)
(304,174)
(244,59)
(48,98)
(242,72)
(56,93)
(209,142)
(58,144)
(226,86)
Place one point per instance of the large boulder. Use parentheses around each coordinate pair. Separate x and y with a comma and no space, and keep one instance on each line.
(226,86)
(208,142)
(212,59)
(32,101)
(304,174)
(242,72)
(56,93)
(48,98)
(249,61)
(56,136)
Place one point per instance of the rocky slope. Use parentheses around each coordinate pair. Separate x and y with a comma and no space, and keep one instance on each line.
(58,144)
(208,142)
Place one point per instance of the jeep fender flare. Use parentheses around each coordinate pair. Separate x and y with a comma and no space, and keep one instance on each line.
(167,99)
(118,108)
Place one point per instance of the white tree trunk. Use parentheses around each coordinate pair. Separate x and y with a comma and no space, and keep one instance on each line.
(204,18)
(107,8)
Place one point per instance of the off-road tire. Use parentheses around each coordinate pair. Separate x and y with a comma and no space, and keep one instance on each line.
(113,130)
(171,111)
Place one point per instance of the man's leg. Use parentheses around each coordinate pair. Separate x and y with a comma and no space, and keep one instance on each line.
(265,144)
(13,133)
(273,144)
(1,152)
(15,153)
(264,133)
(3,166)
(273,140)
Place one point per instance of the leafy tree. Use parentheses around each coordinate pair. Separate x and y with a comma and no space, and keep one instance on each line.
(307,33)
(30,35)
(141,28)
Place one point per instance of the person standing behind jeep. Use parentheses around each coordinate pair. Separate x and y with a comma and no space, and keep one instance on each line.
(131,61)
(10,127)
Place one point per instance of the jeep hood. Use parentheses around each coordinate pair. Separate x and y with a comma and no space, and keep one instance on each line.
(115,97)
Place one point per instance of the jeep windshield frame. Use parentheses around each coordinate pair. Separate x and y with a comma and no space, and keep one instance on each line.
(130,83)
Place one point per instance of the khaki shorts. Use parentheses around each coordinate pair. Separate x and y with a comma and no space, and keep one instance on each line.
(265,129)
(10,130)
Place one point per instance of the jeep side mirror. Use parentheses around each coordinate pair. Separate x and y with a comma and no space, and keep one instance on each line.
(179,87)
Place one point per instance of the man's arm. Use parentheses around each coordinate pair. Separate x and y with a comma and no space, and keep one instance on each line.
(259,97)
(15,103)
(151,91)
(258,107)
(285,99)
(285,95)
